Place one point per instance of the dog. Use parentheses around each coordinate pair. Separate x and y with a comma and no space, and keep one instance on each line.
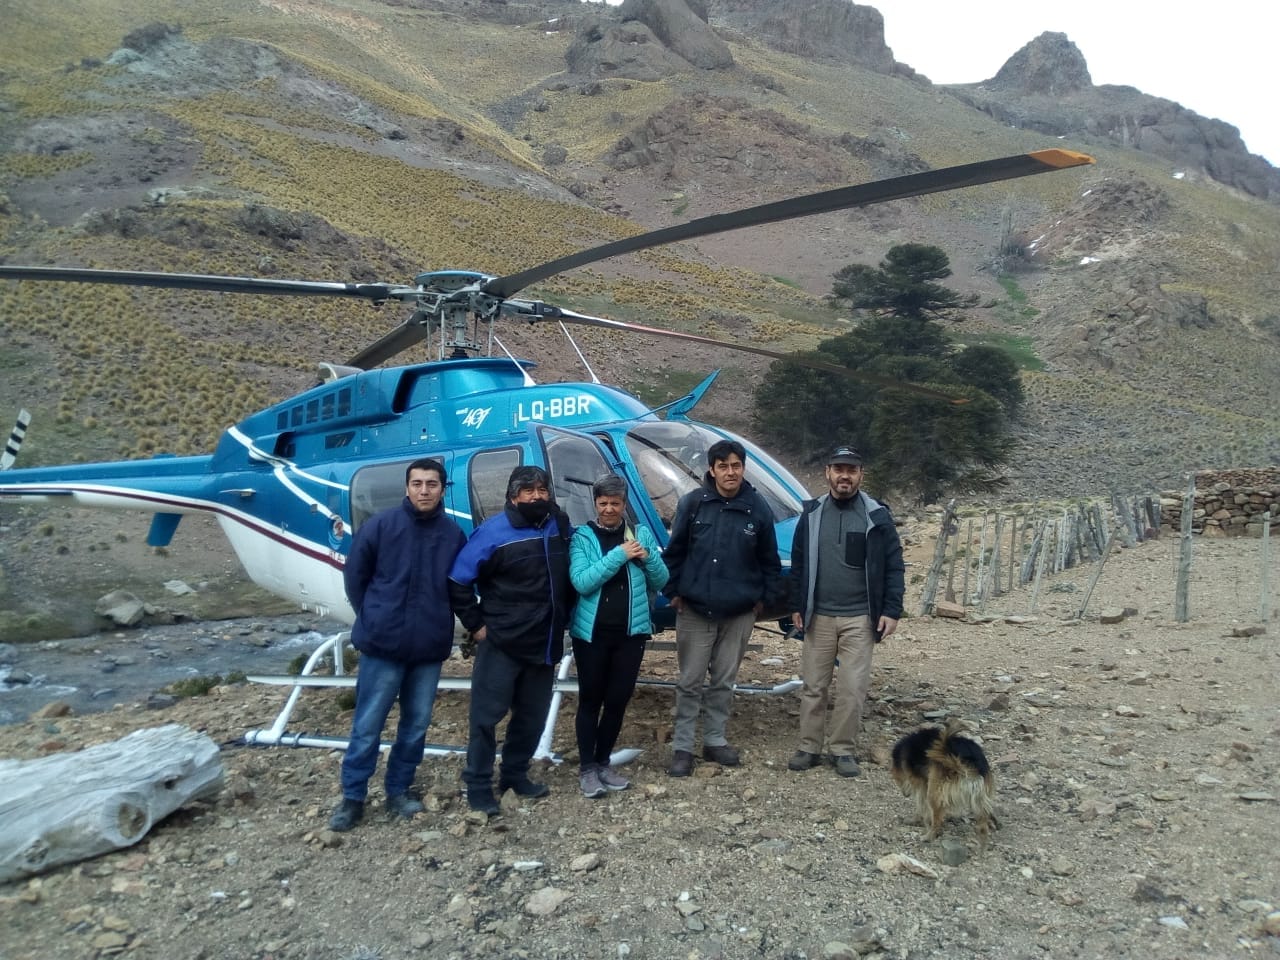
(947,775)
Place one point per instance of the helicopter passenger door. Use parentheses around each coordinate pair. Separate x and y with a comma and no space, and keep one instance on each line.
(575,461)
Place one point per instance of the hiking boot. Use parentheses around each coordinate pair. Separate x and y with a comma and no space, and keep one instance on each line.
(589,781)
(681,764)
(346,815)
(611,779)
(722,754)
(482,800)
(803,760)
(847,766)
(527,788)
(404,806)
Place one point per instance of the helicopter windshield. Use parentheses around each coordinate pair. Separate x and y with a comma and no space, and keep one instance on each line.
(671,458)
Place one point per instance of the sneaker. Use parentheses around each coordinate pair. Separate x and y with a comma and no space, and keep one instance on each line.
(681,764)
(589,781)
(404,806)
(722,754)
(847,766)
(612,779)
(803,760)
(346,815)
(527,788)
(482,800)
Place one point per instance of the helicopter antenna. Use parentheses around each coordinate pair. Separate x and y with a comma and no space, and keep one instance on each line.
(528,380)
(573,343)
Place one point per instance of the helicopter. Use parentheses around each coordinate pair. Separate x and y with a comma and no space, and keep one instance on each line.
(289,485)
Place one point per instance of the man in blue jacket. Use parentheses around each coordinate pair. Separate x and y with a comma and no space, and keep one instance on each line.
(847,574)
(396,578)
(723,559)
(518,562)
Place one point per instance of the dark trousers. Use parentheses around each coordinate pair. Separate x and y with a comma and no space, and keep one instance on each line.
(608,665)
(501,684)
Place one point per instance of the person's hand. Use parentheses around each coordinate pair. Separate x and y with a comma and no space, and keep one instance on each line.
(887,626)
(634,550)
(797,622)
(479,635)
(678,604)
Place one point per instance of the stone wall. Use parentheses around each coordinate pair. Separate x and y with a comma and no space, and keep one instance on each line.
(1229,503)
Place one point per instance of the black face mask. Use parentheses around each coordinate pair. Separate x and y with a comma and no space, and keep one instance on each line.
(535,511)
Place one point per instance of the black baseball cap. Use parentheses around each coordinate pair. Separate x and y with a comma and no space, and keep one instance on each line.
(845,455)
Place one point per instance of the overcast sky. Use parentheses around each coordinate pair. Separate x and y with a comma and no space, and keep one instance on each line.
(1214,60)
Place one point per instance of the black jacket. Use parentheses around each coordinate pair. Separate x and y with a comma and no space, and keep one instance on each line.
(884,566)
(522,575)
(723,553)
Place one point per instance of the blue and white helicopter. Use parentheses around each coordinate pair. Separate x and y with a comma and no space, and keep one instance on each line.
(290,484)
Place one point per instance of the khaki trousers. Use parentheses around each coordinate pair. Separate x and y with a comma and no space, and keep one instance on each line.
(711,651)
(826,639)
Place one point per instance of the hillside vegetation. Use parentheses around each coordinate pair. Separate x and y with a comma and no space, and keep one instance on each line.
(368,141)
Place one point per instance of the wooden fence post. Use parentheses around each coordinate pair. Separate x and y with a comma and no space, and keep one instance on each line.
(1093,581)
(1181,611)
(1043,538)
(1264,601)
(939,555)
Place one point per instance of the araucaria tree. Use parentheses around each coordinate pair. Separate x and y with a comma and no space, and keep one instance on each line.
(918,444)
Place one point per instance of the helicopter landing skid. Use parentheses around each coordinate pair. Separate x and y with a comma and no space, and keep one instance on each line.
(277,735)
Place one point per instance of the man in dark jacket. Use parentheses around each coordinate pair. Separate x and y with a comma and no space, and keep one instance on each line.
(723,560)
(518,561)
(396,578)
(847,577)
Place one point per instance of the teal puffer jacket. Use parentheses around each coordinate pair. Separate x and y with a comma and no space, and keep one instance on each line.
(590,569)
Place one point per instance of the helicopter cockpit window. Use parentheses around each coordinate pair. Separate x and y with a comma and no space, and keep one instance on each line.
(489,472)
(671,459)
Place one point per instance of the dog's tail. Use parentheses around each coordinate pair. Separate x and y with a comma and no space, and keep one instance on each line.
(968,781)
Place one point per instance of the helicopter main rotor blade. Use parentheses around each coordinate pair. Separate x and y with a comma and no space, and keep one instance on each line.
(378,292)
(843,198)
(533,311)
(384,348)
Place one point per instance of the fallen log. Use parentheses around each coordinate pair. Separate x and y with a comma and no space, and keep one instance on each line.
(71,806)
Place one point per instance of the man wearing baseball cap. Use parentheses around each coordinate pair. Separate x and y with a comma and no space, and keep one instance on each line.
(848,580)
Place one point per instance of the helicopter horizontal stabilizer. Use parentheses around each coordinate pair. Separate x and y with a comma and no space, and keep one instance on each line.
(14,443)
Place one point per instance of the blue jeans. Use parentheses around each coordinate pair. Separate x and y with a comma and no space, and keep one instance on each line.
(378,683)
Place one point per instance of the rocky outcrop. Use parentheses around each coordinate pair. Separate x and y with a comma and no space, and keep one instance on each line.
(827,29)
(1051,65)
(682,30)
(649,40)
(1046,86)
(1228,503)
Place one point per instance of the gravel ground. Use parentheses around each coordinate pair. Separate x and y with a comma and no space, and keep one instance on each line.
(1137,787)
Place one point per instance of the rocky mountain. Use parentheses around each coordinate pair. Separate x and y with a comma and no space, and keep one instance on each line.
(329,139)
(1045,86)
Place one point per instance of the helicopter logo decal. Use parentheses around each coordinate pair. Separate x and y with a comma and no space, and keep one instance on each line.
(474,417)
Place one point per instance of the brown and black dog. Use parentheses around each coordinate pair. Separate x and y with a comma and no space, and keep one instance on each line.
(947,775)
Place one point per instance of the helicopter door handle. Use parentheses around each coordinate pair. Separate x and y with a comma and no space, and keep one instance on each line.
(244,493)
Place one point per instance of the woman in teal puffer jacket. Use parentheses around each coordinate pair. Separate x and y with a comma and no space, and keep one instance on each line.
(614,570)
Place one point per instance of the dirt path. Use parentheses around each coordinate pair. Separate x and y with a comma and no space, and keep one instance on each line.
(1137,765)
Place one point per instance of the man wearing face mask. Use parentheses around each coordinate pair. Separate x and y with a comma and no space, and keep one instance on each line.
(518,564)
